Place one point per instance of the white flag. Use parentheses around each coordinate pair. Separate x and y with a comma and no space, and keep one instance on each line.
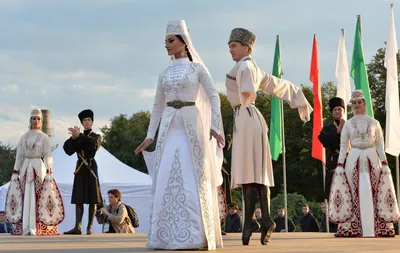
(342,73)
(392,140)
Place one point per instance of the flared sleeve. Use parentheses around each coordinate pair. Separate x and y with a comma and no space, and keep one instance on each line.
(19,159)
(157,111)
(379,142)
(47,156)
(288,92)
(344,142)
(206,81)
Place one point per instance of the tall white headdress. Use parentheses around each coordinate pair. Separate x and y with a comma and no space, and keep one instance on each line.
(178,27)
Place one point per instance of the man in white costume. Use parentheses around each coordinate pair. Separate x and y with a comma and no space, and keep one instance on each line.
(251,161)
(186,169)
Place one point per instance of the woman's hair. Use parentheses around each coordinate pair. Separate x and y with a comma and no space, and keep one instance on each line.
(117,194)
(186,47)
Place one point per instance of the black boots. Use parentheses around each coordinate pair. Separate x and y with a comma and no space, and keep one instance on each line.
(250,200)
(77,230)
(267,224)
(250,193)
(92,212)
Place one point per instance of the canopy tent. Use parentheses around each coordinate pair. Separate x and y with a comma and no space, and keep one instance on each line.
(134,185)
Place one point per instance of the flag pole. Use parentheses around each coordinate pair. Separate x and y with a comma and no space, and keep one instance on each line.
(325,200)
(284,167)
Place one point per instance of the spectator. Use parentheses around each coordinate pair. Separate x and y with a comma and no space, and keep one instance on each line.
(332,226)
(233,221)
(308,222)
(5,227)
(114,217)
(280,222)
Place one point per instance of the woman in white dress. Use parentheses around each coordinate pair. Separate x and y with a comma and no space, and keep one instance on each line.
(362,199)
(34,203)
(187,161)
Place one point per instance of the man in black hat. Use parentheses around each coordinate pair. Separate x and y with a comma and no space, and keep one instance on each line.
(86,188)
(330,139)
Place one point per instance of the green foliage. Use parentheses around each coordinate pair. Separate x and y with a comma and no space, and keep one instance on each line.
(123,136)
(7,159)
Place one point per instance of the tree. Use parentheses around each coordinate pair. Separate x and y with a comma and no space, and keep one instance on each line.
(123,136)
(7,159)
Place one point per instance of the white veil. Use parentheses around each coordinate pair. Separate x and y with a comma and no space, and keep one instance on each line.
(214,154)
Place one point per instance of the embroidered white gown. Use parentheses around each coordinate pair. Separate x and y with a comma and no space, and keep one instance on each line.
(185,206)
(30,204)
(362,199)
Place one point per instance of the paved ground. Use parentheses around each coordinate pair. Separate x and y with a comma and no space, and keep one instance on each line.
(122,243)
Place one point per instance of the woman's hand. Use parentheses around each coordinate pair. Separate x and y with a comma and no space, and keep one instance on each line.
(219,138)
(145,144)
(104,210)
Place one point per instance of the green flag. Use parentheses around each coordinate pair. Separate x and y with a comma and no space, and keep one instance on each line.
(359,70)
(275,132)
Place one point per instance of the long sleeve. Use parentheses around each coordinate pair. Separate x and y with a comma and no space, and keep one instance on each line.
(120,216)
(69,146)
(329,137)
(158,109)
(19,159)
(208,85)
(47,155)
(344,142)
(287,91)
(379,142)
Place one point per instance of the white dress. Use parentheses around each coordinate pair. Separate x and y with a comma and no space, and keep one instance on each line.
(185,206)
(30,204)
(362,198)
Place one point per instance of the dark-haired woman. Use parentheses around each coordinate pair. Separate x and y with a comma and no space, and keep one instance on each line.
(186,169)
(114,217)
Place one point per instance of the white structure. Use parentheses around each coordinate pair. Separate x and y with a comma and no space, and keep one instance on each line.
(135,187)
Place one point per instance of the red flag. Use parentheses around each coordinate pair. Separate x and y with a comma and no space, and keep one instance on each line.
(318,151)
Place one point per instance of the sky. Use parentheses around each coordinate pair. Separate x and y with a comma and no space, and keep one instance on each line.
(70,55)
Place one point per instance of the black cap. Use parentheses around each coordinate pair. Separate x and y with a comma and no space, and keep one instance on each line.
(86,114)
(336,101)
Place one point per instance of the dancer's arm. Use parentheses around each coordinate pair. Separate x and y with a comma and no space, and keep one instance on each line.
(288,92)
(47,155)
(158,109)
(344,144)
(19,159)
(206,81)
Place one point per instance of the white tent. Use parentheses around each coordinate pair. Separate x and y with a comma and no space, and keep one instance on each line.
(135,187)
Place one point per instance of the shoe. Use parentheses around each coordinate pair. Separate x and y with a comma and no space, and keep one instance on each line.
(266,233)
(89,230)
(223,232)
(74,231)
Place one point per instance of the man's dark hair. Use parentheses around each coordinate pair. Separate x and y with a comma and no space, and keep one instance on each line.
(233,205)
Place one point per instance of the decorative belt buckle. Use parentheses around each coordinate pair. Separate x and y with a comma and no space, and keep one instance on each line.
(178,104)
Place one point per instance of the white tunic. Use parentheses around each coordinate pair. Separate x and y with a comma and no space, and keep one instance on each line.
(251,158)
(185,208)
